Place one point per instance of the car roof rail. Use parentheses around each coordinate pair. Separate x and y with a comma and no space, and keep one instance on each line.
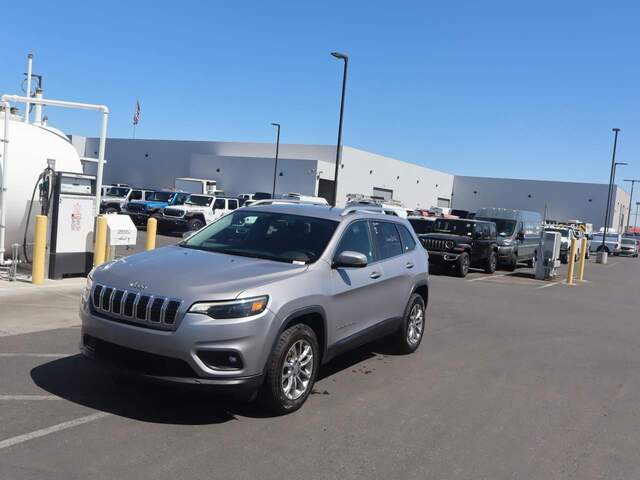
(294,201)
(377,209)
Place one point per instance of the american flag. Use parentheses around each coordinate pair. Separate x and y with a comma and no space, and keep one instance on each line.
(136,114)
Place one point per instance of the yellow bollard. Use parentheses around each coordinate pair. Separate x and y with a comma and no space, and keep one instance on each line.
(583,259)
(152,228)
(99,249)
(39,250)
(572,261)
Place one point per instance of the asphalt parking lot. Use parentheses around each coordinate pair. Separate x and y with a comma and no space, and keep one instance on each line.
(515,378)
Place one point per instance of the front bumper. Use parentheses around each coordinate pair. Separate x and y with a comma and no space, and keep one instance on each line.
(176,356)
(138,218)
(442,258)
(172,223)
(505,253)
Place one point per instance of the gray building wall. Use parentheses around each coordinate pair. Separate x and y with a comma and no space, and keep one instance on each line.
(565,200)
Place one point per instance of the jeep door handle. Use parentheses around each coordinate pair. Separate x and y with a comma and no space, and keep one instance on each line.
(409,265)
(375,275)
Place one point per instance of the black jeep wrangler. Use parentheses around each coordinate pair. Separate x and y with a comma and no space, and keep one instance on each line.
(462,243)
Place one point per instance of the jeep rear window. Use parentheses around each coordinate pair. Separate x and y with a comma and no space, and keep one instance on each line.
(267,235)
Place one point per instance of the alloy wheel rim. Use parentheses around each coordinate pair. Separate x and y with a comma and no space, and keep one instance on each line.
(297,370)
(415,326)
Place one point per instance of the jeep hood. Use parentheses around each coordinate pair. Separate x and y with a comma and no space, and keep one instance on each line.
(193,275)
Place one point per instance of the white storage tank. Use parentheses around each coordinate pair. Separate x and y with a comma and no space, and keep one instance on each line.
(30,147)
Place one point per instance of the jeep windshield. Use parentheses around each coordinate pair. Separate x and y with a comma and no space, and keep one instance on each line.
(421,226)
(199,200)
(119,192)
(504,227)
(454,227)
(267,235)
(159,196)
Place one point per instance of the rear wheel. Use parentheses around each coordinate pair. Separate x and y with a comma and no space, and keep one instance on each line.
(410,334)
(491,262)
(462,265)
(291,370)
(531,263)
(513,262)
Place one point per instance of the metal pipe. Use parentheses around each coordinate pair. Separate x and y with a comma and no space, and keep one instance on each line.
(275,166)
(3,181)
(81,106)
(27,104)
(37,118)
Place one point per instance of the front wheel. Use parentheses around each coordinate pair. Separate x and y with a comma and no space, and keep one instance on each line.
(195,224)
(462,265)
(110,210)
(291,370)
(410,334)
(531,263)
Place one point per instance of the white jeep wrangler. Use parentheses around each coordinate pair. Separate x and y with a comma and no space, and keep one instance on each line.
(196,212)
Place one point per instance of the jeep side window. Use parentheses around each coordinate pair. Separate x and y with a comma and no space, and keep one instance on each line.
(136,195)
(181,198)
(387,239)
(486,231)
(408,243)
(356,239)
(233,204)
(477,230)
(219,203)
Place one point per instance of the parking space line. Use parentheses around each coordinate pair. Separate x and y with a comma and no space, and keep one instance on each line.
(28,397)
(37,355)
(488,277)
(548,285)
(9,442)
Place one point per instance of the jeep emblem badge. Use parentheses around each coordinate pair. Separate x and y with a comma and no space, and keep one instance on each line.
(138,285)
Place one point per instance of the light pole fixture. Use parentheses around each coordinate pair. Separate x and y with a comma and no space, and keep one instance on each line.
(345,58)
(275,165)
(613,166)
(633,183)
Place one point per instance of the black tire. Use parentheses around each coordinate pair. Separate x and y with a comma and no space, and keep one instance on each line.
(603,249)
(409,343)
(564,259)
(462,265)
(531,263)
(513,262)
(272,393)
(111,210)
(195,224)
(491,263)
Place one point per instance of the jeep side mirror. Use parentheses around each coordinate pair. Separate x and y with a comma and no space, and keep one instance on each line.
(350,259)
(520,235)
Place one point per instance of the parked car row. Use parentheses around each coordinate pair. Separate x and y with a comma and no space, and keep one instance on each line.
(493,237)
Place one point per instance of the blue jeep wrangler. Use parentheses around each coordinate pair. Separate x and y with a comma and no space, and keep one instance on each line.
(141,210)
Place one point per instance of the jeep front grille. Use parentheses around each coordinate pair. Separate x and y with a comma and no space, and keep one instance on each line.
(173,212)
(150,311)
(434,244)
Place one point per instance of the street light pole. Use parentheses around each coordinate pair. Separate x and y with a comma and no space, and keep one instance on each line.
(344,57)
(613,162)
(275,166)
(635,223)
(633,183)
(613,204)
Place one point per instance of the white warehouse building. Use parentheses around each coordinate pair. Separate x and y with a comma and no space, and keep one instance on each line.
(241,167)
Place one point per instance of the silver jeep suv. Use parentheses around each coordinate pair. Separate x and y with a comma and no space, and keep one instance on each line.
(259,299)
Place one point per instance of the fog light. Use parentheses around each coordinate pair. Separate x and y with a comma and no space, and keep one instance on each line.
(221,359)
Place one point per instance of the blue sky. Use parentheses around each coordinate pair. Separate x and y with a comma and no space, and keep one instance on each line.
(493,88)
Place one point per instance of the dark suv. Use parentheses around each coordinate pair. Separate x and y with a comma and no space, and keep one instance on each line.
(462,243)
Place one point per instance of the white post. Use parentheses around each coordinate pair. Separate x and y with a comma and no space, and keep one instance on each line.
(27,104)
(3,181)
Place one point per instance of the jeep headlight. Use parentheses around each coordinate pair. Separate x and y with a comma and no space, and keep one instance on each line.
(448,244)
(246,307)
